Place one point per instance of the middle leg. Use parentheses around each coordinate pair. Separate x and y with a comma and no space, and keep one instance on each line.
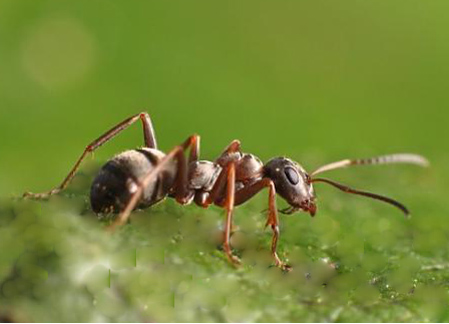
(223,195)
(229,206)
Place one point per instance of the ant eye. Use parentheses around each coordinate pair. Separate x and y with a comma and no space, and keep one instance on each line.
(291,175)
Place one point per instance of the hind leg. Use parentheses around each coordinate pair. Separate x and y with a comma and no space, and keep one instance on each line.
(149,140)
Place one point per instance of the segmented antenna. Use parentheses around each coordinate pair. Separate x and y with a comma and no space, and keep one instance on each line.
(384,159)
(364,193)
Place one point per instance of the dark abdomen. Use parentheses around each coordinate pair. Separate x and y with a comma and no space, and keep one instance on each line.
(118,179)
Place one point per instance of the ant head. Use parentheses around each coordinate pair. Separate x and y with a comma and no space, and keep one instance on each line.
(292,183)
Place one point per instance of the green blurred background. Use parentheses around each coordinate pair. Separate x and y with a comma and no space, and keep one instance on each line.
(316,81)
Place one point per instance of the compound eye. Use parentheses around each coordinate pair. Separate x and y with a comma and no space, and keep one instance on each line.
(292,175)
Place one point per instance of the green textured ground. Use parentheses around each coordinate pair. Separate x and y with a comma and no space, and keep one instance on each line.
(316,81)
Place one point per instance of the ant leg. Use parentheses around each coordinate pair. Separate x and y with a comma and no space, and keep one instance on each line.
(273,221)
(233,147)
(220,183)
(180,182)
(194,149)
(226,178)
(180,191)
(149,139)
(228,154)
(148,130)
(229,206)
(248,192)
(182,194)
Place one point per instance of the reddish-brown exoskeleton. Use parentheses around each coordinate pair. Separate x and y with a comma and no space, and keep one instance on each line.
(142,177)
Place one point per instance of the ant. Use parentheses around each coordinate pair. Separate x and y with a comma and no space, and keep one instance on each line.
(143,177)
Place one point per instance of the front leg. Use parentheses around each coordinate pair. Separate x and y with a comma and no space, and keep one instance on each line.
(248,192)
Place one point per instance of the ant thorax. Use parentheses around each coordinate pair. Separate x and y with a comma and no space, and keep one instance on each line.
(203,175)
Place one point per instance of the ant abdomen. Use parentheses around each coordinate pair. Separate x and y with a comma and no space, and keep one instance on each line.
(119,178)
